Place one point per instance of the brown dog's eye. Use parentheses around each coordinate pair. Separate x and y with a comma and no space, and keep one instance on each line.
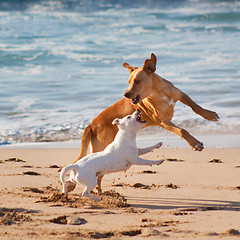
(137,81)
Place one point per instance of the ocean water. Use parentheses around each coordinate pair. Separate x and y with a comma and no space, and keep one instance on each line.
(61,62)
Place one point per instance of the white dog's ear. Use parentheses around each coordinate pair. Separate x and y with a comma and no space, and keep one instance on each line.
(115,121)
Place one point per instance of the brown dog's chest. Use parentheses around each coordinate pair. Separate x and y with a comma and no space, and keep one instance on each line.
(155,111)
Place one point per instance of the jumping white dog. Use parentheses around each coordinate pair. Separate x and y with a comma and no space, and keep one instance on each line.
(120,155)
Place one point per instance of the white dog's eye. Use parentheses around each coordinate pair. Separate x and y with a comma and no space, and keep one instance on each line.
(128,117)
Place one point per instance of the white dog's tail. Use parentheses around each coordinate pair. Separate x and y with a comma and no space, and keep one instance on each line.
(64,172)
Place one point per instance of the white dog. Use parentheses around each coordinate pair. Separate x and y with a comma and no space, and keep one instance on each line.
(120,155)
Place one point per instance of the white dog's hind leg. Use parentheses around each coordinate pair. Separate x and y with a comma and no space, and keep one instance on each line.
(72,168)
(141,161)
(90,183)
(86,193)
(142,151)
(64,189)
(70,183)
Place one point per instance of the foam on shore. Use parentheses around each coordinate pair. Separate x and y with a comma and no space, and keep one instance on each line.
(210,141)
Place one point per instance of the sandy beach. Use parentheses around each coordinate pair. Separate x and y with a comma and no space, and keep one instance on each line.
(192,195)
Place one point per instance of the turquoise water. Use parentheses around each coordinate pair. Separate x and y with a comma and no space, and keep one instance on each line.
(61,62)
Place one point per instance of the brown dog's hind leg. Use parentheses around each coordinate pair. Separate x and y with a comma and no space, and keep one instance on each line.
(193,142)
(99,181)
(207,114)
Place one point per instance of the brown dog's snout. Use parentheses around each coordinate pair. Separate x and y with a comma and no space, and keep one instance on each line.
(126,94)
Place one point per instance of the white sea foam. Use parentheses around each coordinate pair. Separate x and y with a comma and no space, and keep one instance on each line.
(61,64)
(33,71)
(213,58)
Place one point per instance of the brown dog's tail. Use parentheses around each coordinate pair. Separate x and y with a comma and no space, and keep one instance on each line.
(86,138)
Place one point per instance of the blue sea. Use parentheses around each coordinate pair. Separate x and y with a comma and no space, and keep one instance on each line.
(61,62)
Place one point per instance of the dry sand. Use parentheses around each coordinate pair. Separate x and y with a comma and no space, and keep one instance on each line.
(187,197)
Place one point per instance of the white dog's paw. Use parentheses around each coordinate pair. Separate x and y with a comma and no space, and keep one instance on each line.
(70,186)
(160,162)
(158,145)
(95,199)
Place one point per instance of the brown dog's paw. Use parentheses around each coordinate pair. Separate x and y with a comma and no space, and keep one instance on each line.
(198,147)
(211,116)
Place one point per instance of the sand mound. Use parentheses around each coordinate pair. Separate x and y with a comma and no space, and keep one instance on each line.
(108,199)
(9,216)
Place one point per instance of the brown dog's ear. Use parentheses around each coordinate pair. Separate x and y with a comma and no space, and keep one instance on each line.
(129,67)
(150,64)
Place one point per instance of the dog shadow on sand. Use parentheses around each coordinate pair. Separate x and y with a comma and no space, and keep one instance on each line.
(182,204)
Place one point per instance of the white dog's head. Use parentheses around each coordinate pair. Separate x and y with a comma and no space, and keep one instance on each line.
(131,122)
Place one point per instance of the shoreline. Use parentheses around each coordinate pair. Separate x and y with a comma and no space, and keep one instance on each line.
(210,141)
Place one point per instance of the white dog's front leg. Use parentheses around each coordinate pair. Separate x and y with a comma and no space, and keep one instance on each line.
(141,161)
(142,151)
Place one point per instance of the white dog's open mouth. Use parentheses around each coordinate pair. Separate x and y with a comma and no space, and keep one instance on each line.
(139,118)
(135,100)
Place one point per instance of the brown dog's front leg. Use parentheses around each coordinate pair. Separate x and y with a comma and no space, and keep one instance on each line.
(209,115)
(193,142)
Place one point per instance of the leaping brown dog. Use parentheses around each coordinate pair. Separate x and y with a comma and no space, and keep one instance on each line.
(155,97)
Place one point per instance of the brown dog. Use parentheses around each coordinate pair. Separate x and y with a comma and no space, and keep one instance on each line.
(155,97)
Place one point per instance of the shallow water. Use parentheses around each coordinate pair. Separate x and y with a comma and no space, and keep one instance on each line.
(61,62)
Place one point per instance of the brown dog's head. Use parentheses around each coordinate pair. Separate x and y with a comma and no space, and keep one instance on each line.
(140,81)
